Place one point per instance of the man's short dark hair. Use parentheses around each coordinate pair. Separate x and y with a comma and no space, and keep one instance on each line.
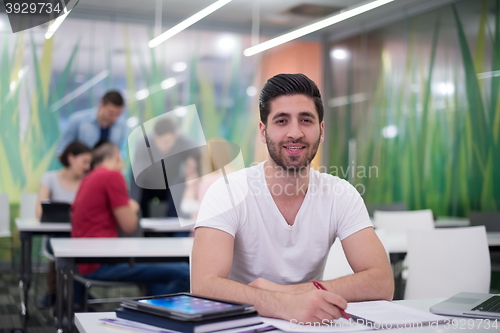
(75,148)
(102,151)
(165,126)
(113,97)
(286,85)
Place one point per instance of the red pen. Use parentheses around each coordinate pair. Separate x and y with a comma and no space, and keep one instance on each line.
(318,285)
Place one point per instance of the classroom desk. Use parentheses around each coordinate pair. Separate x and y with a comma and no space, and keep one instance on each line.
(29,227)
(397,243)
(89,322)
(69,251)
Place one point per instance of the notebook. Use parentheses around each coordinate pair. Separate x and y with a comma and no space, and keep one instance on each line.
(474,305)
(58,212)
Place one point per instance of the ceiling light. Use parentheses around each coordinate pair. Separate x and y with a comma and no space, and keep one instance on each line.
(165,84)
(446,88)
(132,122)
(187,23)
(55,24)
(179,66)
(390,132)
(251,91)
(226,44)
(338,54)
(142,94)
(313,27)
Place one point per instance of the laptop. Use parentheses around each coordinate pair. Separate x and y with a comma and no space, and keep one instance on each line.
(55,212)
(474,305)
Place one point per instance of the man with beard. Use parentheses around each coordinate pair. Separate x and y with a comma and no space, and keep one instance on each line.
(264,233)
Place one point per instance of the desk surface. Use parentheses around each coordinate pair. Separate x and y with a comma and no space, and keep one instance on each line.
(155,225)
(398,243)
(121,247)
(89,322)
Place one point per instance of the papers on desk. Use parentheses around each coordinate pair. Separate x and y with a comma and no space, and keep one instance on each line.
(367,316)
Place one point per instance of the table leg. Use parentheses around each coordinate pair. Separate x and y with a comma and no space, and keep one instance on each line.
(25,275)
(64,310)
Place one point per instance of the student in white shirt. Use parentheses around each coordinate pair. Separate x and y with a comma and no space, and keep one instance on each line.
(264,233)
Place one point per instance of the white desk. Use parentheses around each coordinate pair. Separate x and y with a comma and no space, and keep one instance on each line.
(89,322)
(29,227)
(398,243)
(69,251)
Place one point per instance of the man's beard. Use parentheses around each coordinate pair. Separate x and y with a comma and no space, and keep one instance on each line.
(291,163)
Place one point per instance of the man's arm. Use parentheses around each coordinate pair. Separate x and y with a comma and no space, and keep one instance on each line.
(126,216)
(211,263)
(372,278)
(69,135)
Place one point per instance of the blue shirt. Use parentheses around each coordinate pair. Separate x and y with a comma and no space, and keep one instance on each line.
(84,127)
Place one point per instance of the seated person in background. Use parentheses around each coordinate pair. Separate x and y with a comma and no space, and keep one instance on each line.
(61,186)
(168,142)
(102,206)
(268,244)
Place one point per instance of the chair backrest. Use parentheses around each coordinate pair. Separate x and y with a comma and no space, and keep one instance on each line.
(27,208)
(399,222)
(491,220)
(4,214)
(443,262)
(393,207)
(337,265)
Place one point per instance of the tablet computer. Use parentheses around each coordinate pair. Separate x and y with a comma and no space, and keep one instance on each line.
(56,212)
(188,307)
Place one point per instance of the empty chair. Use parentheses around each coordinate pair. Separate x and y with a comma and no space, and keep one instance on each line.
(337,265)
(27,208)
(399,222)
(443,262)
(392,207)
(5,225)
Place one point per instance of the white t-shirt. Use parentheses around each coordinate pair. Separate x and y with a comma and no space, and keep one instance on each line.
(264,244)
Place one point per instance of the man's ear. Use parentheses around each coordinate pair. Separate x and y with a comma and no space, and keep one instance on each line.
(322,131)
(262,130)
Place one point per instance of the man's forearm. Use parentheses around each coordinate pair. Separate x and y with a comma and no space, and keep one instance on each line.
(372,284)
(267,303)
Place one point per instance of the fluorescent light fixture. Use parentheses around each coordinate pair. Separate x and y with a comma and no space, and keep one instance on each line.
(55,25)
(187,23)
(165,84)
(142,94)
(179,67)
(339,54)
(314,27)
(80,90)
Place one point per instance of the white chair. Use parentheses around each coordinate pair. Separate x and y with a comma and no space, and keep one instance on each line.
(5,225)
(443,262)
(27,208)
(399,222)
(337,265)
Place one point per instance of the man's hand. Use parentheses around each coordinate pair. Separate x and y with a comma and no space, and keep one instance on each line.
(264,284)
(313,306)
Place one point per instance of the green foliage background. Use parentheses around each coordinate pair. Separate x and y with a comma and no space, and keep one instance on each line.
(446,155)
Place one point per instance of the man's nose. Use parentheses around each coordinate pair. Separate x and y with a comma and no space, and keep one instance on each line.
(295,132)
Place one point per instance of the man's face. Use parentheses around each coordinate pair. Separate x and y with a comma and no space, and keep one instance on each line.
(293,131)
(110,112)
(165,142)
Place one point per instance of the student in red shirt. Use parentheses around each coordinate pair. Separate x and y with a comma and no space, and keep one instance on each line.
(101,206)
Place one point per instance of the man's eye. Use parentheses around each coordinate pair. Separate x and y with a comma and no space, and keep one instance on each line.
(280,121)
(307,120)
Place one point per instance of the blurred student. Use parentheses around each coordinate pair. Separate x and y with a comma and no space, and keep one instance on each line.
(61,186)
(175,148)
(92,126)
(101,206)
